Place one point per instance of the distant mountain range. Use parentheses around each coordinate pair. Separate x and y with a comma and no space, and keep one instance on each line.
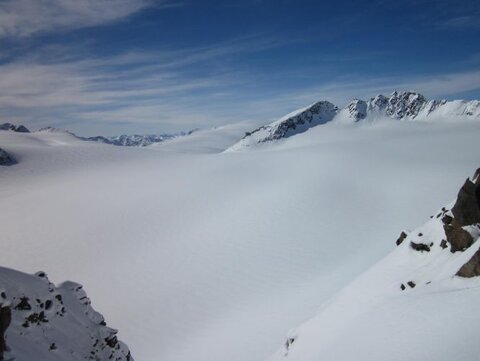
(405,106)
(402,106)
(135,140)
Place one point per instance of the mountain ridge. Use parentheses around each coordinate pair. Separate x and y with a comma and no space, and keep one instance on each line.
(399,105)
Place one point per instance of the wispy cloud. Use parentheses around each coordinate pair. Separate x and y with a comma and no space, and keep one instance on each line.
(434,86)
(26,17)
(136,89)
(461,22)
(157,91)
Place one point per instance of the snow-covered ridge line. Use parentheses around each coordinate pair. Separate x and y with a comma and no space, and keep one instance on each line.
(40,321)
(15,128)
(135,140)
(294,123)
(404,298)
(405,106)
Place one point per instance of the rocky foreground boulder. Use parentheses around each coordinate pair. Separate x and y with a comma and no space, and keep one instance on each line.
(463,229)
(41,321)
(459,227)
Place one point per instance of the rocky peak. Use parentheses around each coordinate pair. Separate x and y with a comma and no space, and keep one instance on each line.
(316,114)
(15,128)
(319,113)
(377,103)
(357,109)
(405,104)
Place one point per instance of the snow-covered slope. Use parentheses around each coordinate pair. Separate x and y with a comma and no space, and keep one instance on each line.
(215,140)
(49,323)
(418,303)
(214,256)
(405,106)
(294,123)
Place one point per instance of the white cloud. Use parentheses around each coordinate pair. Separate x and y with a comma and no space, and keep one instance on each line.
(177,89)
(27,17)
(343,89)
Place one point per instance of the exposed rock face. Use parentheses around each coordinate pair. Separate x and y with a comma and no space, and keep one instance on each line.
(51,323)
(458,238)
(471,268)
(22,129)
(357,109)
(400,239)
(5,319)
(14,128)
(466,210)
(420,247)
(460,224)
(466,213)
(318,113)
(399,105)
(6,159)
(405,104)
(377,103)
(299,122)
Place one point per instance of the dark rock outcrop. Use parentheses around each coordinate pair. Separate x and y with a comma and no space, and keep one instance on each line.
(466,210)
(471,268)
(357,109)
(15,128)
(22,129)
(52,322)
(319,113)
(420,247)
(6,159)
(5,320)
(401,238)
(458,238)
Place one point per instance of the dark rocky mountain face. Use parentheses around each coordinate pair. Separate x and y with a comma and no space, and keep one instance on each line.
(6,159)
(319,113)
(405,104)
(15,128)
(357,109)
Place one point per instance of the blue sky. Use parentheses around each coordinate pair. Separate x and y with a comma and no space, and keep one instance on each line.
(145,66)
